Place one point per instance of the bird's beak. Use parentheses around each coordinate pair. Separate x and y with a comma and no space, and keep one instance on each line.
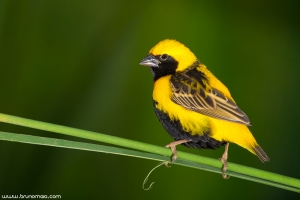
(150,61)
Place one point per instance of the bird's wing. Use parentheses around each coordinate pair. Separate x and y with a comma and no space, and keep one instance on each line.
(191,91)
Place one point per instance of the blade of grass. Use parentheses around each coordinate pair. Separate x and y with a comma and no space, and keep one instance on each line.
(235,169)
(125,152)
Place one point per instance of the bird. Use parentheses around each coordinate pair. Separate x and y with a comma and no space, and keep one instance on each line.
(193,106)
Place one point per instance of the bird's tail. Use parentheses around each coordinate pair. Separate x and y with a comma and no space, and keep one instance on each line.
(261,154)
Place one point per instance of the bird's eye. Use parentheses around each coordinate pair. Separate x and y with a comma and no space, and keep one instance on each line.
(164,57)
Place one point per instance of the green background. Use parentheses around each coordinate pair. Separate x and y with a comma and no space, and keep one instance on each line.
(76,63)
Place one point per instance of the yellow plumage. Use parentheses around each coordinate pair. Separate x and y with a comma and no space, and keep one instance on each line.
(191,121)
(196,123)
(194,107)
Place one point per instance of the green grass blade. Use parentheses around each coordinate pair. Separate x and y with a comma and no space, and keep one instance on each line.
(185,159)
(126,152)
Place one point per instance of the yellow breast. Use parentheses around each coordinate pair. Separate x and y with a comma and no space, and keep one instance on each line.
(191,122)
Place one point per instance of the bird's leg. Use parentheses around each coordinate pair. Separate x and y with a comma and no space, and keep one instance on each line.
(224,161)
(173,145)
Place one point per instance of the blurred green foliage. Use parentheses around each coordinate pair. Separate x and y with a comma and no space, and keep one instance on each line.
(75,63)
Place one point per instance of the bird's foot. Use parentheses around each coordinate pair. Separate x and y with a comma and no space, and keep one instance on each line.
(172,146)
(224,162)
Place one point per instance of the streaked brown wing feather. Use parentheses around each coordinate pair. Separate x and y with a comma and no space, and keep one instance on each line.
(195,95)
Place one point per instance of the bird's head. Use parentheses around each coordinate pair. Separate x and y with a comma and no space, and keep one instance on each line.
(168,57)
